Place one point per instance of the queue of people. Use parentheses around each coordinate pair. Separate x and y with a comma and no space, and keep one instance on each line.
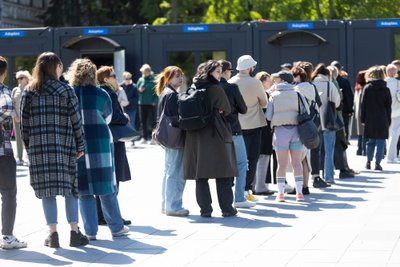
(251,139)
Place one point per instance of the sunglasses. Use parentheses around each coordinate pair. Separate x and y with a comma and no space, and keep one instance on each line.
(112,76)
(20,78)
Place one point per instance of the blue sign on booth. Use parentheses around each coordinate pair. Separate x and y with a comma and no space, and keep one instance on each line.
(12,34)
(388,23)
(95,31)
(300,25)
(195,28)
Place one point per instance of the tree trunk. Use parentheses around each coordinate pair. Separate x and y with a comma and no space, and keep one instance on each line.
(174,12)
(331,9)
(318,10)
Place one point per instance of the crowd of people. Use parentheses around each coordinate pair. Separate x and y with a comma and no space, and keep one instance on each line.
(65,121)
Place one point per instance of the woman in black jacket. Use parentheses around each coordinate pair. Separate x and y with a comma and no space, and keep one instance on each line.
(107,79)
(376,109)
(237,106)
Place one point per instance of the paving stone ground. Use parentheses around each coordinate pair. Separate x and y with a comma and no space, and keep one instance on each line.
(354,223)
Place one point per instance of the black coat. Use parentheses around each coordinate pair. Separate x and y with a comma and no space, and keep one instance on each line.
(376,109)
(237,105)
(122,170)
(208,152)
(348,95)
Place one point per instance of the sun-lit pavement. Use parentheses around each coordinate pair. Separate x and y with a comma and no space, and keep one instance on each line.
(354,223)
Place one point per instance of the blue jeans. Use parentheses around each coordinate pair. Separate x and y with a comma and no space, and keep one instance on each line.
(132,117)
(111,212)
(329,146)
(380,146)
(173,182)
(241,158)
(50,209)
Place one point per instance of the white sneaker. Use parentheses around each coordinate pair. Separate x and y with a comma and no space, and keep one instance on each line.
(244,204)
(143,141)
(11,242)
(123,232)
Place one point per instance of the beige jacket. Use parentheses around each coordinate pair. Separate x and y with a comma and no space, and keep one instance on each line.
(255,98)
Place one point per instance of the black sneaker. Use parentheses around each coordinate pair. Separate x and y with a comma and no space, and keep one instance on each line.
(320,183)
(378,167)
(78,239)
(306,191)
(127,222)
(368,165)
(345,174)
(231,213)
(52,240)
(292,192)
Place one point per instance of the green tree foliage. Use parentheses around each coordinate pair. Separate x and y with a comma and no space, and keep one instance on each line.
(116,12)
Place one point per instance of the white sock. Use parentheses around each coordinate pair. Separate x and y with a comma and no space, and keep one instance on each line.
(281,184)
(299,183)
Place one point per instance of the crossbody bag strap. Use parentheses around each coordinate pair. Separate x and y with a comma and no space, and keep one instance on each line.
(329,90)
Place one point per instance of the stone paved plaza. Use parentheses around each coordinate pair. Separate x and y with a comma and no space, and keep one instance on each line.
(354,223)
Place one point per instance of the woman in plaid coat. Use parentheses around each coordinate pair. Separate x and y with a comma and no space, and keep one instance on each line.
(52,133)
(96,170)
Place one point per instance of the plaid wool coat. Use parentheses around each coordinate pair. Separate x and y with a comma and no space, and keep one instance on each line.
(96,170)
(52,133)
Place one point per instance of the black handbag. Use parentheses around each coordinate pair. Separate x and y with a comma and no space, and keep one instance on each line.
(330,114)
(166,134)
(308,131)
(124,133)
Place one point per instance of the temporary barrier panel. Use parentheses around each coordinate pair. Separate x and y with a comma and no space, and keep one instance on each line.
(21,47)
(117,46)
(188,45)
(288,42)
(372,42)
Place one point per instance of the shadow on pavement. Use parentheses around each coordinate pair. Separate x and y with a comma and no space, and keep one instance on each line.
(91,255)
(237,222)
(32,257)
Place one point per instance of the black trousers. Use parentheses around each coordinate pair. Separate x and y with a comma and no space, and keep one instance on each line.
(224,192)
(148,120)
(252,140)
(315,157)
(8,192)
(346,120)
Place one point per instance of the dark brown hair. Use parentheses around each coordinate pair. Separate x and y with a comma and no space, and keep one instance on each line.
(307,67)
(45,69)
(3,65)
(297,71)
(225,64)
(165,76)
(320,69)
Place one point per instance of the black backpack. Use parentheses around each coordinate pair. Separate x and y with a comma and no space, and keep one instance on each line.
(193,111)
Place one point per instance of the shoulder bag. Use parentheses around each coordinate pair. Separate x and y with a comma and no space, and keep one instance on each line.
(308,131)
(167,135)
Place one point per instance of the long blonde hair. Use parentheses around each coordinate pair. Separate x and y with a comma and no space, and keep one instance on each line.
(165,77)
(45,69)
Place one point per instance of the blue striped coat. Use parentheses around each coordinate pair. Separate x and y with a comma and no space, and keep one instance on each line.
(52,133)
(96,171)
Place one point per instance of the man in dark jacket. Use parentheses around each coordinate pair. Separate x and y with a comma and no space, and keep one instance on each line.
(132,95)
(238,106)
(348,97)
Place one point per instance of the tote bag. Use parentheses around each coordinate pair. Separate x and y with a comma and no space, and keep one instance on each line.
(308,131)
(168,136)
(329,114)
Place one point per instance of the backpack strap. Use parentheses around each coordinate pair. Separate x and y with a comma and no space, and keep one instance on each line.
(329,84)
